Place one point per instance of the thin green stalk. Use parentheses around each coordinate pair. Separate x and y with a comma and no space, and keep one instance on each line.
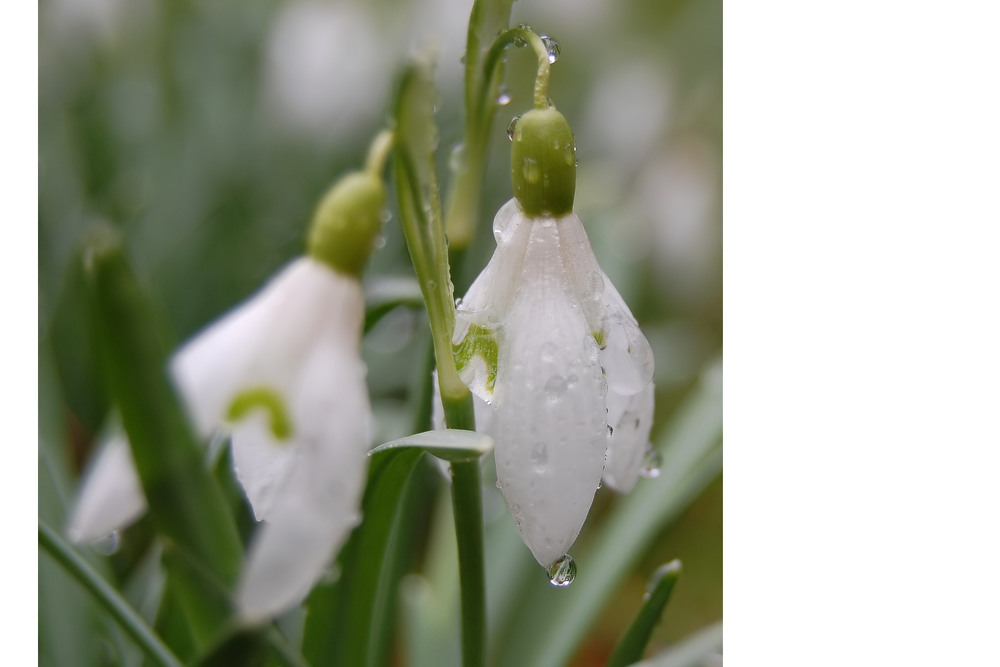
(633,643)
(127,617)
(467,501)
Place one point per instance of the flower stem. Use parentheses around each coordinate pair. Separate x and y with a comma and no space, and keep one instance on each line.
(378,153)
(127,617)
(524,34)
(467,501)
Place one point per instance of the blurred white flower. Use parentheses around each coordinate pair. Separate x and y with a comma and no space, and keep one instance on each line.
(326,69)
(284,371)
(548,342)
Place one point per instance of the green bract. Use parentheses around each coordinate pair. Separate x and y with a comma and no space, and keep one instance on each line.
(543,164)
(347,222)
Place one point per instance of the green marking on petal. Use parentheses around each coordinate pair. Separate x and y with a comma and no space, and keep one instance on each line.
(266,399)
(478,342)
(600,338)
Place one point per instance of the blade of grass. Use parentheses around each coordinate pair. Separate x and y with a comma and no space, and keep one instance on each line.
(129,619)
(632,645)
(186,506)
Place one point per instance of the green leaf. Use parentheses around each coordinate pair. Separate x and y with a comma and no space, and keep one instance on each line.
(108,597)
(202,548)
(449,444)
(554,622)
(633,643)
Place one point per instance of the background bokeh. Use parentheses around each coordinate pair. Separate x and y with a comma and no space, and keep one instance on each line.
(207,131)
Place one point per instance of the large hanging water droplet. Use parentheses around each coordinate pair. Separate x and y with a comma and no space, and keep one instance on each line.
(503,97)
(552,46)
(563,571)
(511,126)
(106,545)
(651,463)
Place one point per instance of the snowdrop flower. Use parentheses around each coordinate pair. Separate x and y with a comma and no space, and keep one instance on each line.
(283,373)
(543,336)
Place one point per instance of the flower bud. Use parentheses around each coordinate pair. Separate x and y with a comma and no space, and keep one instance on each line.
(347,223)
(543,164)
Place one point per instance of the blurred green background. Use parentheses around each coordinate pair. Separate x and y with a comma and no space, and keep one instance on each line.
(207,131)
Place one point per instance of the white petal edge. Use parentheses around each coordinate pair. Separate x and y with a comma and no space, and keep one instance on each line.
(318,502)
(630,419)
(110,497)
(626,355)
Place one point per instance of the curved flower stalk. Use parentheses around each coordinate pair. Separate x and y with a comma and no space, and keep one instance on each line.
(547,341)
(283,373)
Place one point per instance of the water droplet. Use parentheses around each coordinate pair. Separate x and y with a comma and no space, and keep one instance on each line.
(380,241)
(510,127)
(503,97)
(562,572)
(548,352)
(385,216)
(611,430)
(555,387)
(106,545)
(651,463)
(597,285)
(552,46)
(539,454)
(499,485)
(458,302)
(431,284)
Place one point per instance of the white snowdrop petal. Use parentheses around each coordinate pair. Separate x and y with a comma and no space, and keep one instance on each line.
(110,497)
(316,505)
(550,419)
(630,419)
(261,461)
(256,345)
(584,275)
(626,355)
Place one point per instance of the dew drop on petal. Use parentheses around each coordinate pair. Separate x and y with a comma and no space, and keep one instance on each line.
(548,353)
(106,545)
(539,454)
(563,571)
(552,46)
(555,388)
(499,485)
(651,463)
(511,126)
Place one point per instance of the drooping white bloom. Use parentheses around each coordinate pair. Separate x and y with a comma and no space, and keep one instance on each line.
(284,371)
(544,337)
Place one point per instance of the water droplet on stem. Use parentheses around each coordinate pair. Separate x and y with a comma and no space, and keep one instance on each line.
(552,46)
(651,463)
(512,126)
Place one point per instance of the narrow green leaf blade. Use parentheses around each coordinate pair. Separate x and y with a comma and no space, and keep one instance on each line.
(451,444)
(633,643)
(186,506)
